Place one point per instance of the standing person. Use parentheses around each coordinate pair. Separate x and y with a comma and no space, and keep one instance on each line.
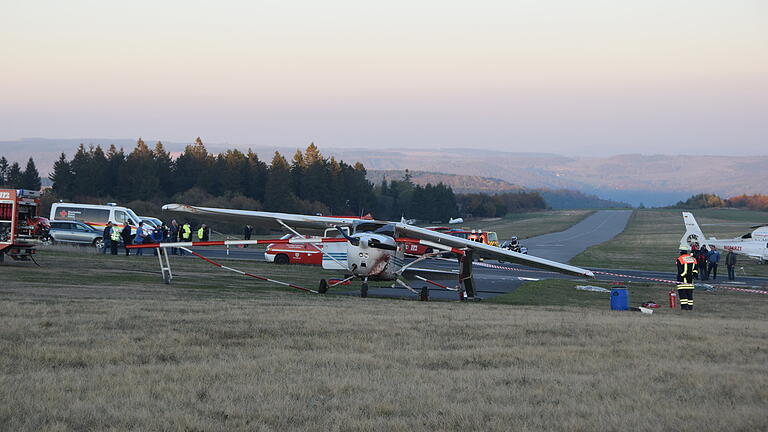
(114,237)
(106,236)
(247,231)
(157,236)
(203,233)
(127,239)
(686,269)
(186,235)
(139,239)
(713,258)
(730,262)
(701,260)
(173,235)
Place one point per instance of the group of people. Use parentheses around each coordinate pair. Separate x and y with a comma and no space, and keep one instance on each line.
(699,263)
(707,260)
(114,236)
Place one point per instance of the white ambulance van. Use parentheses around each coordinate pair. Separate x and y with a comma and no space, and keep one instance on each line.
(95,215)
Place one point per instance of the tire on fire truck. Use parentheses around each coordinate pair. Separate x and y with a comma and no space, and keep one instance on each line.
(282,259)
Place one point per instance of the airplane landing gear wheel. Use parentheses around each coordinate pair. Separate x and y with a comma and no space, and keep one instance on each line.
(323,286)
(364,290)
(166,278)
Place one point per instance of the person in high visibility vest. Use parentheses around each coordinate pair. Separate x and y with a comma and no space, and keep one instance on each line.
(114,236)
(202,233)
(186,232)
(686,269)
(185,235)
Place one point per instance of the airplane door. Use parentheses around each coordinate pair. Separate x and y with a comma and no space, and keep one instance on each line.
(336,250)
(339,253)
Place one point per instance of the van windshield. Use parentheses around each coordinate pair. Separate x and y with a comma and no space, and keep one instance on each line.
(133,216)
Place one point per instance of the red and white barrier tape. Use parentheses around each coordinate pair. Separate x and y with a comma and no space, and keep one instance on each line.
(667,281)
(261,278)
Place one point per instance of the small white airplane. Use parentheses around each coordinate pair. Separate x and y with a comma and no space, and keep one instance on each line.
(364,249)
(753,244)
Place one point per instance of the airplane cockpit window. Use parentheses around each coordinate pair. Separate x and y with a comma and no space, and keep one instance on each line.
(747,236)
(387,229)
(368,227)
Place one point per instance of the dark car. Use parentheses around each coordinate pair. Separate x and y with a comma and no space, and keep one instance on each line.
(75,232)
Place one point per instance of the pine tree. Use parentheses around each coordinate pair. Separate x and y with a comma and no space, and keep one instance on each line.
(30,178)
(232,166)
(164,169)
(3,170)
(255,179)
(83,173)
(297,173)
(102,177)
(312,155)
(315,178)
(62,177)
(278,195)
(195,167)
(116,161)
(14,177)
(140,173)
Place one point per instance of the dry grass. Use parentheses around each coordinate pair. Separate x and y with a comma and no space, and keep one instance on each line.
(526,225)
(117,352)
(652,237)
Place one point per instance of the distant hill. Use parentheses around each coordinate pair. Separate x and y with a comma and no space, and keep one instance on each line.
(555,198)
(571,199)
(653,180)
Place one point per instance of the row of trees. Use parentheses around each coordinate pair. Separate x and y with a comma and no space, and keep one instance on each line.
(12,176)
(752,202)
(309,183)
(482,205)
(146,177)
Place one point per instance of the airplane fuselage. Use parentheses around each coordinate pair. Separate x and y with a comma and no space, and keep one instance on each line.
(753,248)
(376,256)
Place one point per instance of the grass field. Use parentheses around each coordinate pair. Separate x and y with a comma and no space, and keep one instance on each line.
(526,225)
(652,237)
(90,342)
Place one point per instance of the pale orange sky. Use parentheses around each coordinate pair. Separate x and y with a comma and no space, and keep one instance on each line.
(599,77)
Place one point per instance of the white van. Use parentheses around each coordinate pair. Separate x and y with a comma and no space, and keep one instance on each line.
(95,215)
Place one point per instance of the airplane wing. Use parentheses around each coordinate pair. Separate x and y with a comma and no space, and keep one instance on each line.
(482,250)
(267,219)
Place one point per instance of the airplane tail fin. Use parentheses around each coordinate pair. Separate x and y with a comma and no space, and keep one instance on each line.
(693,233)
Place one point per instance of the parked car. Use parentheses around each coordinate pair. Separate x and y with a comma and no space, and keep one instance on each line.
(153,221)
(75,232)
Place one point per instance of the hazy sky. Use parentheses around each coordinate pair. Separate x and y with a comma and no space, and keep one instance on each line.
(587,76)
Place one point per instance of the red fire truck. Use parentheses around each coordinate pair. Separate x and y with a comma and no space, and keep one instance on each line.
(487,237)
(21,226)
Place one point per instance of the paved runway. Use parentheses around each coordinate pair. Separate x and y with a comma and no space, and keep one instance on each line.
(597,228)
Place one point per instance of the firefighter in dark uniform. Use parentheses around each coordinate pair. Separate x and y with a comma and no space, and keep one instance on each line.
(686,269)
